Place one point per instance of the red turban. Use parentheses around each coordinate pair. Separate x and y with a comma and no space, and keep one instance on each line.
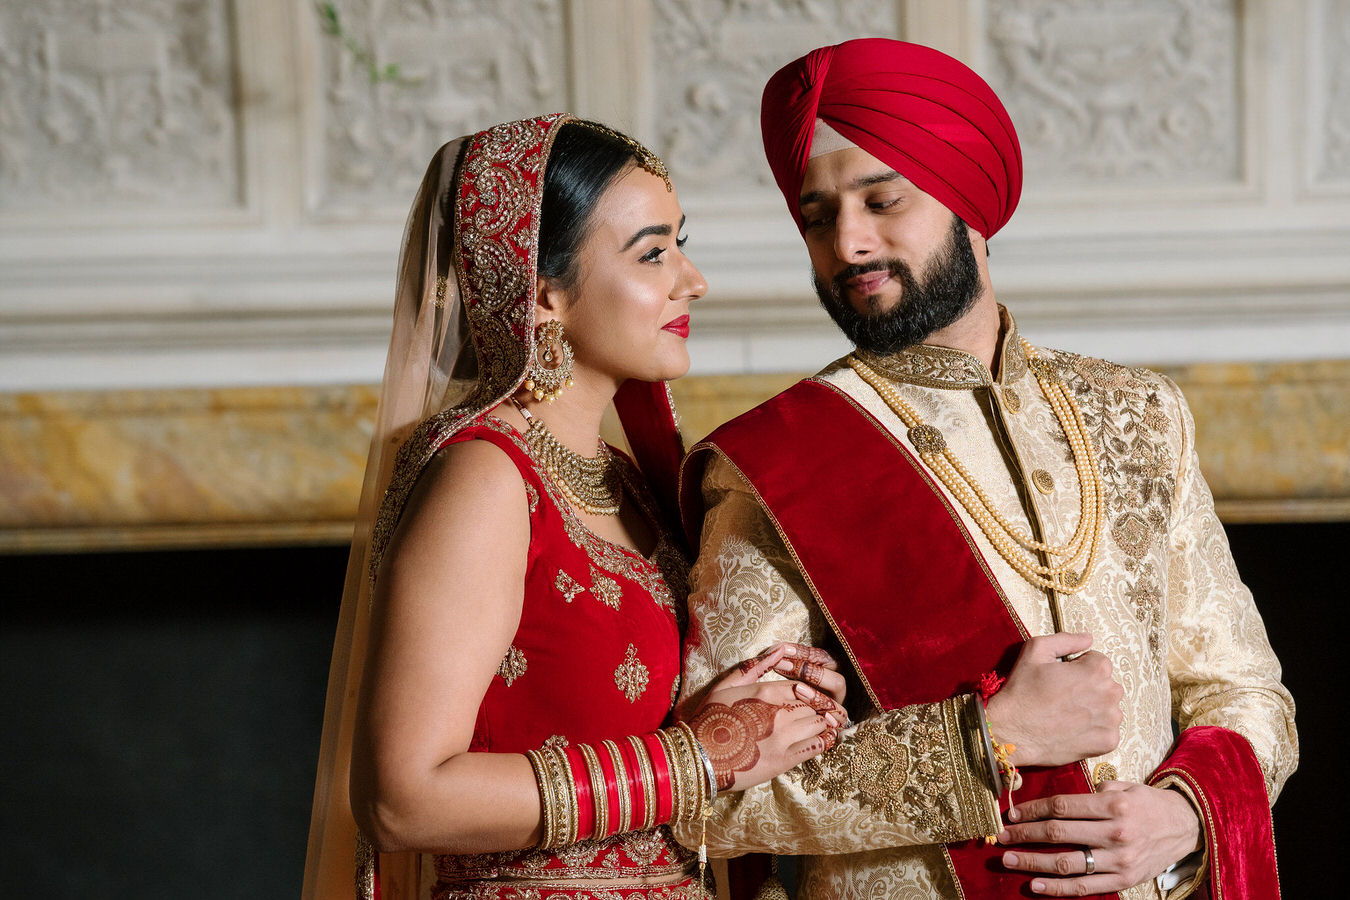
(921,112)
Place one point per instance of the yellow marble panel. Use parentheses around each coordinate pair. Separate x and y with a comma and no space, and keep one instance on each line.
(181,467)
(1272,436)
(284,465)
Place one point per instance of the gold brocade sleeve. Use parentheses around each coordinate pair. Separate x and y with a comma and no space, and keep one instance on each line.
(900,778)
(1220,664)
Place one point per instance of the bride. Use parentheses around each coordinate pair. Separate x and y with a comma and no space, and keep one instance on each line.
(514,609)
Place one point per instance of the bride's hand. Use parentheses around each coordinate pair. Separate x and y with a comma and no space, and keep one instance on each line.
(754,731)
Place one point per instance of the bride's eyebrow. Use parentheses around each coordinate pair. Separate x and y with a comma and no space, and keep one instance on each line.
(643,232)
(664,230)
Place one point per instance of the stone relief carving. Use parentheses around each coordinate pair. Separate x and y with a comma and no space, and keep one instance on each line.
(710,59)
(1335,37)
(116,104)
(463,65)
(1136,92)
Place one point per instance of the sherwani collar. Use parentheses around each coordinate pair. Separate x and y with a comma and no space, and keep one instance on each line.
(929,365)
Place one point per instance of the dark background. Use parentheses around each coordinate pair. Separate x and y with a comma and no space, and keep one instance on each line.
(161,711)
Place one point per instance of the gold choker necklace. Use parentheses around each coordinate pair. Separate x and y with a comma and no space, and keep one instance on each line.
(1078,557)
(591,484)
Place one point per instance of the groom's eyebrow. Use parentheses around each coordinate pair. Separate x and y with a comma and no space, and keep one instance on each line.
(857,183)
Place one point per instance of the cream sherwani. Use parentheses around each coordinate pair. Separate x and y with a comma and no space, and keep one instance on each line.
(1165,604)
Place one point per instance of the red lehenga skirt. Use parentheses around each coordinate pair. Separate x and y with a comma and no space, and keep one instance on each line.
(639,864)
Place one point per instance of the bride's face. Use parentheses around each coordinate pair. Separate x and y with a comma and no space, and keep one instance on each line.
(628,314)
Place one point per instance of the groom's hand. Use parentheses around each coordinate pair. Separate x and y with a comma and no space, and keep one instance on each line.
(1057,710)
(1133,832)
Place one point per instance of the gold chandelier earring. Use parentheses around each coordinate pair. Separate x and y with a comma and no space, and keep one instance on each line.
(550,362)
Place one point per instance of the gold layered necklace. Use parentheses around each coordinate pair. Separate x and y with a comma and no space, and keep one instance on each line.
(1070,564)
(592,484)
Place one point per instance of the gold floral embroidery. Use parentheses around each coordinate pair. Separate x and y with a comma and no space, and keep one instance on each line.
(1129,426)
(650,853)
(631,676)
(931,366)
(513,665)
(606,590)
(567,586)
(905,764)
(942,367)
(1146,603)
(652,575)
(1131,533)
(556,740)
(533,496)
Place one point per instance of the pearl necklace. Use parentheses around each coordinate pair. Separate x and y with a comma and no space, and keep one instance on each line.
(1016,547)
(592,484)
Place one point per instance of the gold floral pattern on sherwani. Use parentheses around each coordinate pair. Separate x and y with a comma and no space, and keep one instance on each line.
(907,765)
(1165,604)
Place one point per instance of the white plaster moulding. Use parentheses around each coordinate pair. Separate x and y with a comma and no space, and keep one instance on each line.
(1193,272)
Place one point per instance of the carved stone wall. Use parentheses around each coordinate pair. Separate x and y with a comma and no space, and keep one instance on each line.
(1330,77)
(461,65)
(206,193)
(109,104)
(1122,92)
(715,58)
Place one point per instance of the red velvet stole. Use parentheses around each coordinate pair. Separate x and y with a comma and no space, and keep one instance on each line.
(1221,770)
(892,568)
(648,421)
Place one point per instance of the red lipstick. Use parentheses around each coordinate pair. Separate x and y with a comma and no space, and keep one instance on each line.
(678,326)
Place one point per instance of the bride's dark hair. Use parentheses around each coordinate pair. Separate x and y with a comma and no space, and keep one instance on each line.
(584,162)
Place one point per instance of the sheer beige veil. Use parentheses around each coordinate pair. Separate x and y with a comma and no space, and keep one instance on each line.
(429,342)
(461,342)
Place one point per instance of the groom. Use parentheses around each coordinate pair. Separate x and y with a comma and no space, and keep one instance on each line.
(1012,546)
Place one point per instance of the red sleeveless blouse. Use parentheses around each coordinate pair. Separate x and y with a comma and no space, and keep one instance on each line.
(596,656)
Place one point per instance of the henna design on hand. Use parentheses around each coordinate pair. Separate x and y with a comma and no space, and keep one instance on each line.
(813,655)
(731,734)
(802,670)
(748,664)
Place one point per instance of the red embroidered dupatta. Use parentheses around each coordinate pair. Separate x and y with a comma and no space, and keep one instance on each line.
(892,601)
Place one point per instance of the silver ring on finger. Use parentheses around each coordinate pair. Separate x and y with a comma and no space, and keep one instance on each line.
(1089,864)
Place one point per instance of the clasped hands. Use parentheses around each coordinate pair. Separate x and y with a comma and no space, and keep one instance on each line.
(1059,710)
(753,731)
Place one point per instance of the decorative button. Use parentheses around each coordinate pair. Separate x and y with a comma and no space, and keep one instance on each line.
(1011,400)
(927,439)
(1044,481)
(1103,772)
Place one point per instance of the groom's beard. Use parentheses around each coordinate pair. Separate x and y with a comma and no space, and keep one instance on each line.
(949,289)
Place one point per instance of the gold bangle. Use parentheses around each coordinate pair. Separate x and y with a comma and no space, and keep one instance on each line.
(685,772)
(599,794)
(625,822)
(546,796)
(693,769)
(566,789)
(644,763)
